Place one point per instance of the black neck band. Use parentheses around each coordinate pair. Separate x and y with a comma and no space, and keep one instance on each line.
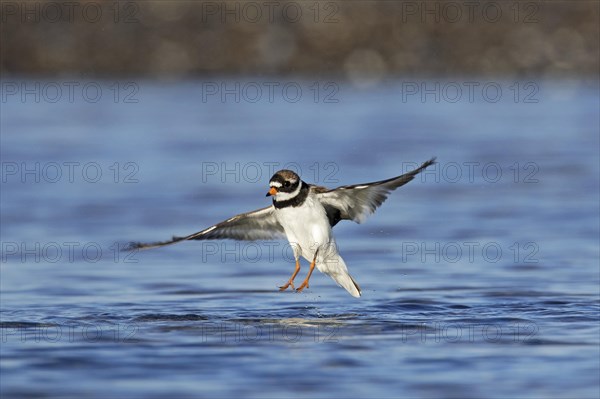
(296,201)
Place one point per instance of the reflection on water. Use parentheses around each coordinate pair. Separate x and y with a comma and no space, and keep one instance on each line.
(482,271)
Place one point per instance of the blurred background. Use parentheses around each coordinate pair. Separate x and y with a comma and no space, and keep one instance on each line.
(403,38)
(138,120)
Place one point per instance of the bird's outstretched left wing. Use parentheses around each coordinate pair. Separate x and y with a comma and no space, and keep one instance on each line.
(260,224)
(358,201)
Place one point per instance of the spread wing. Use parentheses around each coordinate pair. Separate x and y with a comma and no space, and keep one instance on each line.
(358,201)
(256,225)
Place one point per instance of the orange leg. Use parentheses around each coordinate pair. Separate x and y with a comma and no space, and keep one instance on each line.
(305,282)
(291,280)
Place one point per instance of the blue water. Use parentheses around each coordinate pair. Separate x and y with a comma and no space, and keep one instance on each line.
(480,278)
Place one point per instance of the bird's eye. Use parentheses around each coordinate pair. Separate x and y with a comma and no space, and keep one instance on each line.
(286,184)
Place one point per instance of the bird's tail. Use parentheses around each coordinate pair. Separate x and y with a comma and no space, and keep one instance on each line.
(348,283)
(337,270)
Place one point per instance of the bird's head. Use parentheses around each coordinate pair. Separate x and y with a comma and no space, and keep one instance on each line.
(284,185)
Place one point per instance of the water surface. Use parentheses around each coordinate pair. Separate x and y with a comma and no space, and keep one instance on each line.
(480,278)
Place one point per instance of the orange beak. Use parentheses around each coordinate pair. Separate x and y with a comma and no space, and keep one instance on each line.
(272,191)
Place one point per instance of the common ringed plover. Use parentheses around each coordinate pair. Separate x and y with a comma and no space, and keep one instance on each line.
(304,214)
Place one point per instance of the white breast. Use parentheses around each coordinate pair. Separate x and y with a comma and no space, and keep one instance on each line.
(306,226)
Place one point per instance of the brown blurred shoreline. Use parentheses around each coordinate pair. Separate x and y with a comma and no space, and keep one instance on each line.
(354,38)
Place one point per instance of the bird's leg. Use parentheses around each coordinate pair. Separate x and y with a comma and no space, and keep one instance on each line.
(291,280)
(305,282)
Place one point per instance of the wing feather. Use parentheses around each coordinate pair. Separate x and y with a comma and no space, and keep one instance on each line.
(358,201)
(260,224)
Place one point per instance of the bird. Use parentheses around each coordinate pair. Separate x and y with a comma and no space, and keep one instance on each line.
(304,214)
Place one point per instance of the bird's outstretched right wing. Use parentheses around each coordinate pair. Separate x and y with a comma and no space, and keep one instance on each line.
(358,201)
(260,224)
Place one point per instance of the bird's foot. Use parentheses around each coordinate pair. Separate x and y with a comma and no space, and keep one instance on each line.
(286,285)
(302,286)
(305,282)
(291,280)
